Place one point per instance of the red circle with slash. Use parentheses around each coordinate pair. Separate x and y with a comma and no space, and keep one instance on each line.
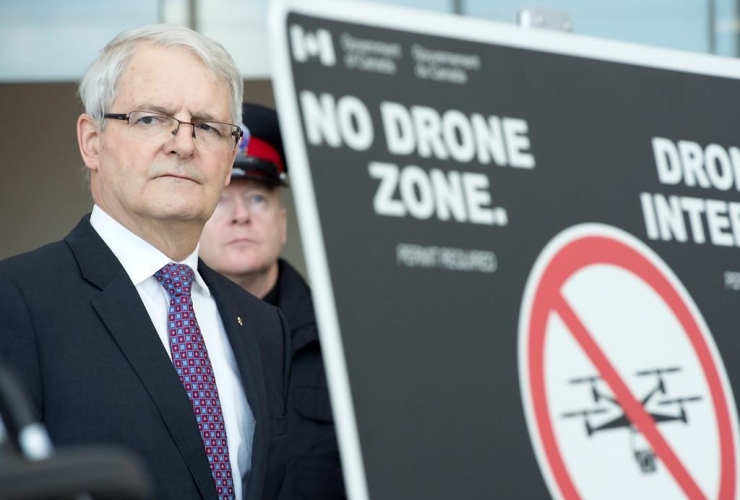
(570,252)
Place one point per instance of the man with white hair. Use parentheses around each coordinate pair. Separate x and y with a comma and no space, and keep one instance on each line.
(120,333)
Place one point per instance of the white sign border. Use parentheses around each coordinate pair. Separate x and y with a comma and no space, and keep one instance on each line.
(434,24)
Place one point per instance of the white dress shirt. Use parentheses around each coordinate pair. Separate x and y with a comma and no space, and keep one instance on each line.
(141,260)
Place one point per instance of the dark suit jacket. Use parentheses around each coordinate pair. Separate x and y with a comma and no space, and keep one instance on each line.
(73,325)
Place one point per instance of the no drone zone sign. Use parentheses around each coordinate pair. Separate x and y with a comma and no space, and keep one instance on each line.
(624,391)
(494,216)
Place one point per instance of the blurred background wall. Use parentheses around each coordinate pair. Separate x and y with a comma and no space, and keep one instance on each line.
(46,45)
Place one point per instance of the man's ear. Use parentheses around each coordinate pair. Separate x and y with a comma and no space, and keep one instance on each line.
(228,176)
(88,137)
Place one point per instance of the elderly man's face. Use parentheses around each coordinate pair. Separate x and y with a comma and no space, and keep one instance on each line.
(139,182)
(247,230)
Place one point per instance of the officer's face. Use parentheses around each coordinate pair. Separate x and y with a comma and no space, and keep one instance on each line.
(247,231)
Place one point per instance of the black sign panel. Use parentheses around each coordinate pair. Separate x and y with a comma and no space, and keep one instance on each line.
(524,251)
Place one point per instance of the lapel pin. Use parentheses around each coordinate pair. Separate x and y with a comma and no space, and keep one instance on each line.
(239,320)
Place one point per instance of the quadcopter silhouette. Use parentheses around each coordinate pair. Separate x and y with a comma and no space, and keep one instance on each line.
(644,457)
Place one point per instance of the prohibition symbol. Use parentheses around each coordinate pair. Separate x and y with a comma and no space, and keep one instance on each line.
(623,388)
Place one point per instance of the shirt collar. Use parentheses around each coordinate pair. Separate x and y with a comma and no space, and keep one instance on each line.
(139,258)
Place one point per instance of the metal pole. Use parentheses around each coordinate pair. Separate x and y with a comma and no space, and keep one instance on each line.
(193,15)
(457,7)
(737,32)
(712,27)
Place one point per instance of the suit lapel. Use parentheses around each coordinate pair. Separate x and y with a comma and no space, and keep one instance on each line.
(243,340)
(125,316)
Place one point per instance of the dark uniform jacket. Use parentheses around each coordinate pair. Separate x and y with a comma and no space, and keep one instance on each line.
(74,327)
(314,470)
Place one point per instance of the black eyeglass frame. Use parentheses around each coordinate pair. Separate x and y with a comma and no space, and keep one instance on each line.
(238,133)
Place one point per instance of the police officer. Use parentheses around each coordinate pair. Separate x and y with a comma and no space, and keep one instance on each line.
(243,240)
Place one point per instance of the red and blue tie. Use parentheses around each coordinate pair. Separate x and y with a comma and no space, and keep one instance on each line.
(190,357)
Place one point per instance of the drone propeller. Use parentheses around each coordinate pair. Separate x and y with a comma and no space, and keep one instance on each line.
(597,396)
(583,413)
(690,399)
(583,380)
(658,371)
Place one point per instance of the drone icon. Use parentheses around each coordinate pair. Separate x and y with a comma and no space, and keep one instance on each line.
(605,403)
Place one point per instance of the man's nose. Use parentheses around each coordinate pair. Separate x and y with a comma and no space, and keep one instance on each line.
(240,213)
(183,139)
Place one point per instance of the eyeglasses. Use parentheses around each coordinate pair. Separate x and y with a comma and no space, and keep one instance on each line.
(255,202)
(158,129)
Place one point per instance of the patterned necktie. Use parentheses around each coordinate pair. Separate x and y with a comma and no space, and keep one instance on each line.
(190,357)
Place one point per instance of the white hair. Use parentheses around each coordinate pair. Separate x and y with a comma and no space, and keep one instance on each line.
(99,87)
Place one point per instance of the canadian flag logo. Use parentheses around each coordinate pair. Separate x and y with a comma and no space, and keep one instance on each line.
(307,44)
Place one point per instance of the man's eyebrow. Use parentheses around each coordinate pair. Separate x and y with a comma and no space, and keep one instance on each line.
(156,109)
(204,117)
(195,117)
